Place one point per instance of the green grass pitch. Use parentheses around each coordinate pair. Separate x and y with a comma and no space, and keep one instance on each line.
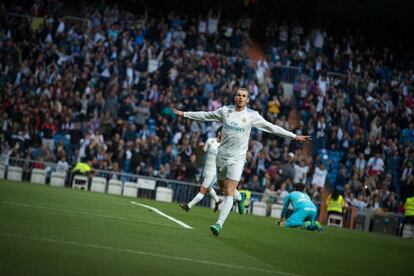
(54,231)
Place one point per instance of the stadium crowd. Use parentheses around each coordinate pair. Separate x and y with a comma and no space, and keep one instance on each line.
(100,90)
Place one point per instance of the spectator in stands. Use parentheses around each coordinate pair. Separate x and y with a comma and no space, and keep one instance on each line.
(375,168)
(301,172)
(408,214)
(341,179)
(269,196)
(319,176)
(359,202)
(335,203)
(288,169)
(83,168)
(62,165)
(27,168)
(49,129)
(281,194)
(392,168)
(407,170)
(360,165)
(355,184)
(254,185)
(374,202)
(391,205)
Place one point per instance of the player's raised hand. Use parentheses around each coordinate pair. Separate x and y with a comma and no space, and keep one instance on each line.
(303,138)
(177,112)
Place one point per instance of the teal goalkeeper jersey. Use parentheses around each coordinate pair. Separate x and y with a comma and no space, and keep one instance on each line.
(300,201)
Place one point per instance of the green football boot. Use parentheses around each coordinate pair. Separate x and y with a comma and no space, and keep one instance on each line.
(215,228)
(318,226)
(307,225)
(240,204)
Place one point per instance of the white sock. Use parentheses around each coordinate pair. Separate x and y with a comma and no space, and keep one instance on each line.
(237,195)
(213,194)
(225,209)
(195,200)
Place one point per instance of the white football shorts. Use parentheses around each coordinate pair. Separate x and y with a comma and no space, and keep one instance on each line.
(210,177)
(229,169)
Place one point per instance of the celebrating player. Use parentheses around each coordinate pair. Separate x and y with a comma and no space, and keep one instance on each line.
(238,121)
(209,173)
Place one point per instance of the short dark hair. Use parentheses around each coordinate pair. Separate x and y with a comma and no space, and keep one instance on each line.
(243,89)
(335,194)
(300,187)
(219,129)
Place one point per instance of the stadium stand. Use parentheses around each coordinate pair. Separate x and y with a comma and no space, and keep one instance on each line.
(100,89)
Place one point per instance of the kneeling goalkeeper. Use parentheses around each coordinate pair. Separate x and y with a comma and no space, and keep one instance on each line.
(304,212)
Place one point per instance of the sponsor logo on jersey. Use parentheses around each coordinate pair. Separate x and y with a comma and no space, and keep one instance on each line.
(233,127)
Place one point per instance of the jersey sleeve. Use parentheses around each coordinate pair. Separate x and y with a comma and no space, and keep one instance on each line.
(210,116)
(206,145)
(260,123)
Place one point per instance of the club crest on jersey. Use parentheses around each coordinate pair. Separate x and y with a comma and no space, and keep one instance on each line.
(244,119)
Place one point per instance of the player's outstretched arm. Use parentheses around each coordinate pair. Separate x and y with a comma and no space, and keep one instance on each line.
(210,116)
(303,138)
(260,123)
(177,112)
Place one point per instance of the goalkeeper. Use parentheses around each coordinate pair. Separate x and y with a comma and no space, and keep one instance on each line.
(304,212)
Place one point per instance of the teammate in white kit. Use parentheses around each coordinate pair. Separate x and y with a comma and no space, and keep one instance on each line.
(238,121)
(209,173)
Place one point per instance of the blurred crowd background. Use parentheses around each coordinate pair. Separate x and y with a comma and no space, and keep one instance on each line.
(98,87)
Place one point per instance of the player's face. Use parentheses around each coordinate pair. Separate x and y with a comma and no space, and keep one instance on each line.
(241,99)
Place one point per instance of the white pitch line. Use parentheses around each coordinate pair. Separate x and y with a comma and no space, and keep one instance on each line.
(73,212)
(179,222)
(139,252)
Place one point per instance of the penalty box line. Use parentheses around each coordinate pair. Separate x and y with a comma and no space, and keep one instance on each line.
(75,212)
(179,222)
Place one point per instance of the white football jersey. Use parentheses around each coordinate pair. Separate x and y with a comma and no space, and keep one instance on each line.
(211,148)
(237,126)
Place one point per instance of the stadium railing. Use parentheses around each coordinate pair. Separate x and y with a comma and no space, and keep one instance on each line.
(146,186)
(183,191)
